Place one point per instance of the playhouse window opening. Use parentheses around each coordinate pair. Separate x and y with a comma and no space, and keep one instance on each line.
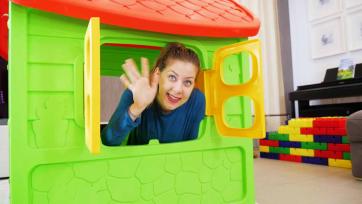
(112,56)
(238,112)
(237,70)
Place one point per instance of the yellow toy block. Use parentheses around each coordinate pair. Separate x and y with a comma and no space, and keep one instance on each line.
(301,138)
(301,122)
(283,129)
(302,152)
(286,129)
(263,148)
(340,163)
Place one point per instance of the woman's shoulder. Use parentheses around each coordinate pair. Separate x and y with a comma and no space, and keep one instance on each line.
(197,94)
(197,97)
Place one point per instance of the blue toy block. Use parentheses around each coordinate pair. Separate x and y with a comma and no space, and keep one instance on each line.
(315,160)
(328,139)
(269,155)
(290,144)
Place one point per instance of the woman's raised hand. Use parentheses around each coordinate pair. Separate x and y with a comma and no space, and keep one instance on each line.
(143,87)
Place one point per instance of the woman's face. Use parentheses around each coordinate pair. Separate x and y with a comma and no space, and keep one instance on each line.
(177,81)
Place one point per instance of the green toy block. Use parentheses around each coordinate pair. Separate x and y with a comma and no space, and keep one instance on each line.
(314,145)
(346,155)
(278,136)
(345,140)
(280,150)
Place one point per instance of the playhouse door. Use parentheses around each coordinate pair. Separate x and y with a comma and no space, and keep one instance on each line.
(92,86)
(218,92)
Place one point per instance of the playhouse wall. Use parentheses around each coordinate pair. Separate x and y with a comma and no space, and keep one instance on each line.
(49,162)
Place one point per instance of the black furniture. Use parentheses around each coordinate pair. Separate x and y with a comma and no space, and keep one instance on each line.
(329,88)
(3,89)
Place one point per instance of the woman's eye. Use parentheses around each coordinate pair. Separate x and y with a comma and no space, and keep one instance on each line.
(188,83)
(172,77)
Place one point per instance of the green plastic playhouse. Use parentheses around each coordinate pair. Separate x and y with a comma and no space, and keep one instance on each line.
(53,120)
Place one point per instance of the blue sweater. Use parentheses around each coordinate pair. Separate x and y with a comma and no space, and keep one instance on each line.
(179,125)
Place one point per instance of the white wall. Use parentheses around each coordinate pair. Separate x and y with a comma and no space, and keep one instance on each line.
(268,34)
(305,69)
(4,151)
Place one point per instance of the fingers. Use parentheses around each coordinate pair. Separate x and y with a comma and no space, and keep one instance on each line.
(155,78)
(125,81)
(131,70)
(145,67)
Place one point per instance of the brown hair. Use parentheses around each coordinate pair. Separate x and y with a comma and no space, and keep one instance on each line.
(175,50)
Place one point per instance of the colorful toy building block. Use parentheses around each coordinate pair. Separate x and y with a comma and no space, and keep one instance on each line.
(314,145)
(328,154)
(301,138)
(280,150)
(327,138)
(288,157)
(315,160)
(269,155)
(345,139)
(320,139)
(346,155)
(330,122)
(264,148)
(302,152)
(290,144)
(301,122)
(340,163)
(272,143)
(277,136)
(285,129)
(339,147)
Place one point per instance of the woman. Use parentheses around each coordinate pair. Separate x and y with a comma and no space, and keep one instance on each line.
(165,106)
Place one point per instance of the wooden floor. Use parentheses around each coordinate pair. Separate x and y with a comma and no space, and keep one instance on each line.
(281,182)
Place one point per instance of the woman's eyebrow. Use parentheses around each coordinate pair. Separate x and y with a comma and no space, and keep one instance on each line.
(174,72)
(190,77)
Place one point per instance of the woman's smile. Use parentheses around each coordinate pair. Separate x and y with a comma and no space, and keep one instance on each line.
(173,99)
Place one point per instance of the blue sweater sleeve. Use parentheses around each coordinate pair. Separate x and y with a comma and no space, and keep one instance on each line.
(120,124)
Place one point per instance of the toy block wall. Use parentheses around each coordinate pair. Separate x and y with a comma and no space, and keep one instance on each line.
(309,140)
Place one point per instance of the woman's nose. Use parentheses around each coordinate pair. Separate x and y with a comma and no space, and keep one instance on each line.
(178,87)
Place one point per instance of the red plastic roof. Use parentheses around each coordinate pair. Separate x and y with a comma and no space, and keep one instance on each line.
(208,18)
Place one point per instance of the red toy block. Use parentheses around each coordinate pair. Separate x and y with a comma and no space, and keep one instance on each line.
(271,143)
(319,131)
(288,157)
(336,131)
(341,131)
(339,147)
(306,131)
(328,154)
(330,131)
(342,123)
(322,122)
(329,122)
(317,123)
